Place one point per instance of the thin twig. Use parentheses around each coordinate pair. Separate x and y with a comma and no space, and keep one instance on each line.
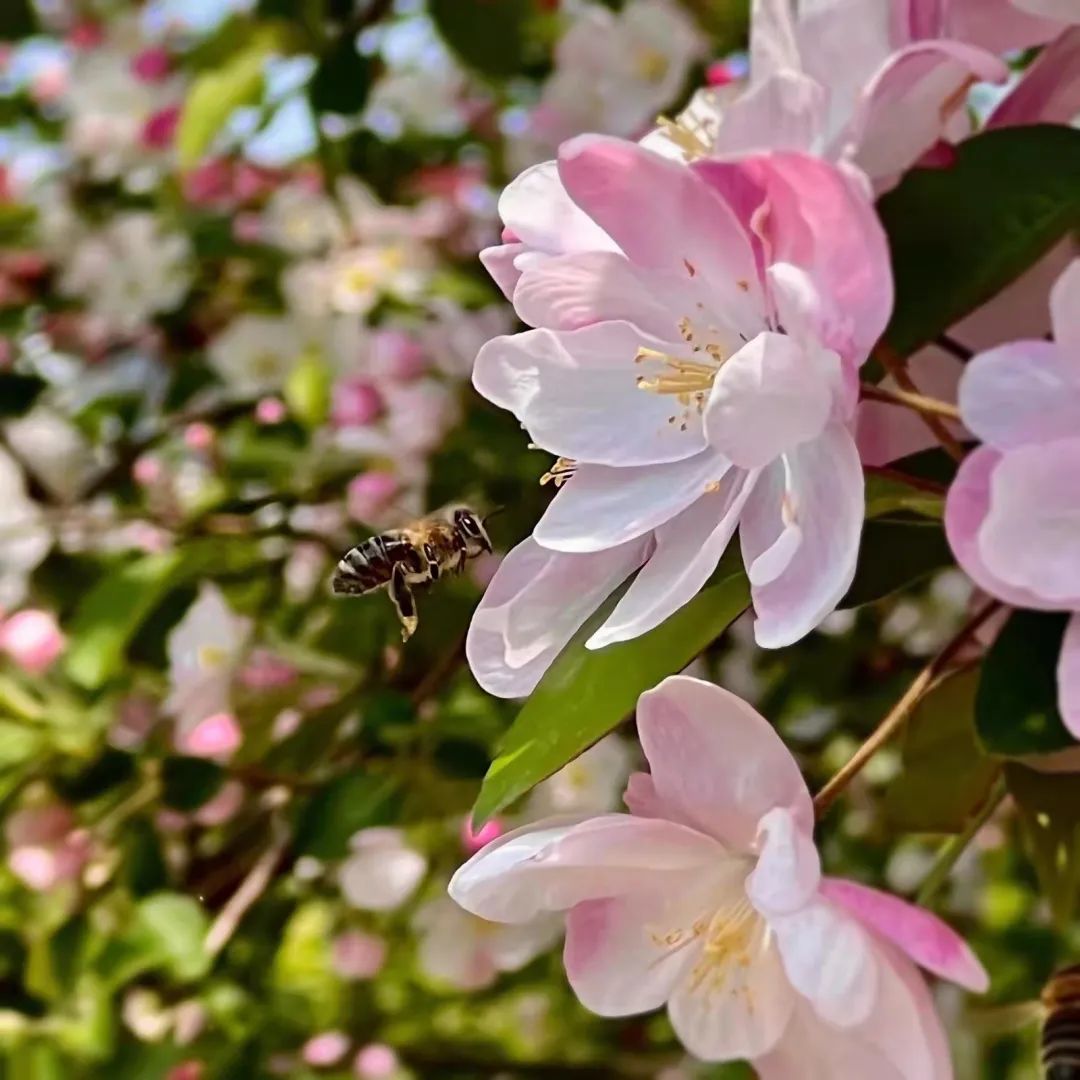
(894,365)
(919,483)
(927,406)
(953,347)
(955,846)
(896,716)
(248,892)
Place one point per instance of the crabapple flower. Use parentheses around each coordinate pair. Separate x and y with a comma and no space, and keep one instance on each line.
(255,354)
(1013,512)
(698,333)
(382,872)
(709,897)
(469,953)
(33,639)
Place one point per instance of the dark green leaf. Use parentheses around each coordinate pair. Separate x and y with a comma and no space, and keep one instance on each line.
(17,20)
(1016,710)
(111,612)
(188,782)
(342,808)
(890,495)
(342,79)
(896,552)
(109,769)
(489,35)
(1049,807)
(462,759)
(586,693)
(959,235)
(946,774)
(18,392)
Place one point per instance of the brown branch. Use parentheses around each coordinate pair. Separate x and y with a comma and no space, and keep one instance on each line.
(927,406)
(899,713)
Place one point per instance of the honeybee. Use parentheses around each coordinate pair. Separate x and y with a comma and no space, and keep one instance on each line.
(1060,1049)
(400,559)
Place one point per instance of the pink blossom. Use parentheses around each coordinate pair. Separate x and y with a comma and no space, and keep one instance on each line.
(247,228)
(209,184)
(396,355)
(147,470)
(326,1049)
(199,436)
(45,846)
(699,331)
(223,806)
(152,64)
(270,410)
(370,493)
(33,639)
(160,128)
(215,736)
(356,402)
(191,1069)
(376,1061)
(1049,90)
(1013,511)
(265,670)
(472,840)
(356,955)
(709,897)
(86,35)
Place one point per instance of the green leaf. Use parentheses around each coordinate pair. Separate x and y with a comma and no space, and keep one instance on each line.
(17,20)
(1049,809)
(214,96)
(488,35)
(959,235)
(18,392)
(342,79)
(108,616)
(342,808)
(946,774)
(307,390)
(586,693)
(174,927)
(188,782)
(895,553)
(1016,711)
(890,494)
(19,743)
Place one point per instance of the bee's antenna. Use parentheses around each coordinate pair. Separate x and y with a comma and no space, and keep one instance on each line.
(493,513)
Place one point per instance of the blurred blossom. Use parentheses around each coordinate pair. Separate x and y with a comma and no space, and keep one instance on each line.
(591,784)
(270,410)
(45,846)
(356,402)
(305,570)
(396,355)
(33,639)
(187,1070)
(472,840)
(376,1061)
(382,872)
(357,955)
(264,670)
(369,494)
(24,538)
(215,736)
(286,724)
(468,953)
(325,1049)
(135,718)
(147,470)
(145,1015)
(255,354)
(198,436)
(223,806)
(54,451)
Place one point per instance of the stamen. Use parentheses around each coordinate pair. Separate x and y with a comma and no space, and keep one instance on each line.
(560,472)
(692,143)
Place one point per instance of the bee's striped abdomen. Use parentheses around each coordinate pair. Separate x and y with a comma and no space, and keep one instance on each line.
(1061,1031)
(363,568)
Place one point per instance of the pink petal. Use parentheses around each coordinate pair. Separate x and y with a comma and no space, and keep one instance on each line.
(909,104)
(788,867)
(576,394)
(601,507)
(822,493)
(1024,392)
(551,867)
(717,762)
(1049,91)
(664,217)
(999,25)
(1065,10)
(500,261)
(830,960)
(772,395)
(534,605)
(786,111)
(966,508)
(1068,676)
(687,551)
(736,1011)
(919,933)
(1031,536)
(1065,315)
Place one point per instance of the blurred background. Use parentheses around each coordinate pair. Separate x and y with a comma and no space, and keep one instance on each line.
(239,304)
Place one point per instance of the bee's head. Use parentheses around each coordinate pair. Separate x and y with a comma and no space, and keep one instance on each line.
(471,527)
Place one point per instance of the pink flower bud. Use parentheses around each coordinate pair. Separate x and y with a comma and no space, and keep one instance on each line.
(472,840)
(86,35)
(356,955)
(45,846)
(250,182)
(151,65)
(218,735)
(326,1049)
(719,73)
(199,436)
(265,671)
(223,806)
(147,470)
(209,184)
(355,403)
(186,1070)
(270,410)
(247,228)
(376,1061)
(33,639)
(370,493)
(397,355)
(160,128)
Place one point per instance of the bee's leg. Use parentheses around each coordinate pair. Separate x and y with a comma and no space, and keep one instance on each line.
(404,602)
(434,570)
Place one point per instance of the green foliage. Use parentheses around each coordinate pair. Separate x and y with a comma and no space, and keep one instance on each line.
(960,234)
(169,931)
(18,393)
(896,552)
(342,79)
(1016,711)
(17,19)
(587,693)
(489,35)
(341,808)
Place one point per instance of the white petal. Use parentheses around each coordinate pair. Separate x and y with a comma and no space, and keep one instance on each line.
(382,879)
(788,868)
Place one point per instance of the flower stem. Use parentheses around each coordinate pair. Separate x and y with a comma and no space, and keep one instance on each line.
(955,846)
(899,713)
(928,406)
(894,365)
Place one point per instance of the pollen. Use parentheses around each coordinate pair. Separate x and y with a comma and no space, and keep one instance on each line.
(693,141)
(560,472)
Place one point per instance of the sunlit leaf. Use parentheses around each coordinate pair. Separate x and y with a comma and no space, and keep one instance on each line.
(587,693)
